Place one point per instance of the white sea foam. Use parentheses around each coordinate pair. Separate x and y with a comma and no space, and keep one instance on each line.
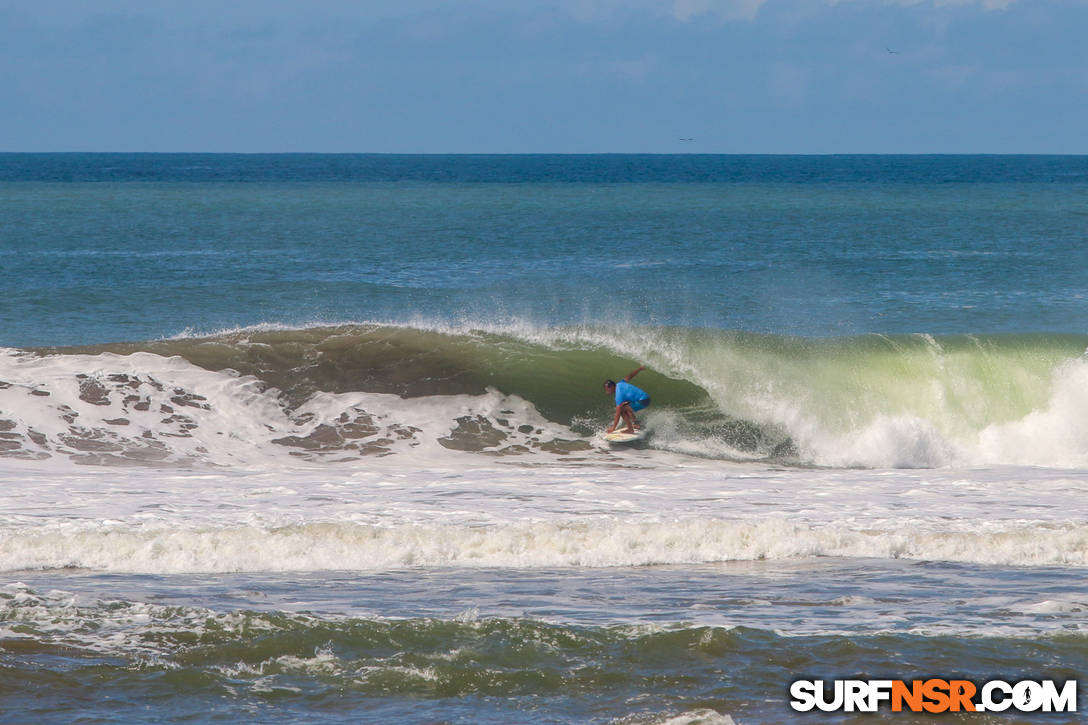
(691,717)
(1050,606)
(1056,433)
(441,507)
(344,546)
(147,408)
(227,423)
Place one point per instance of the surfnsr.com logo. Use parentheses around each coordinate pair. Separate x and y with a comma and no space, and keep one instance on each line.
(933,696)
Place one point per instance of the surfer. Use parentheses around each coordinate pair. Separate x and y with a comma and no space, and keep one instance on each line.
(629,399)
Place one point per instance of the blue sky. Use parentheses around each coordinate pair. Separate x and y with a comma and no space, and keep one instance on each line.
(571,76)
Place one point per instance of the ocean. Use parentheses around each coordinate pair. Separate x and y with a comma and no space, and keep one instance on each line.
(317,438)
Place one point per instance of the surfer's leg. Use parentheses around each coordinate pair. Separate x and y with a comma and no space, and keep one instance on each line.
(628,417)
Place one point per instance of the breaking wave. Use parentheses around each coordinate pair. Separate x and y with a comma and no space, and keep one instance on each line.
(545,544)
(344,392)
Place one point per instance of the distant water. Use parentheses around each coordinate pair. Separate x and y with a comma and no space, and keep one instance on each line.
(109,247)
(316,438)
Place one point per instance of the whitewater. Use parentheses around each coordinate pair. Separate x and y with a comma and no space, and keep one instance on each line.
(580,502)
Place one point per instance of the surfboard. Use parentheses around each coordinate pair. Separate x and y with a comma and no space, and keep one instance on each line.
(620,437)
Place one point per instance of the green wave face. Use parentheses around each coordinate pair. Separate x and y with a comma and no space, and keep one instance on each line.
(561,376)
(960,383)
(898,400)
(761,395)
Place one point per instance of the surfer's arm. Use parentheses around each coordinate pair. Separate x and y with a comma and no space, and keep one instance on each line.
(633,373)
(615,420)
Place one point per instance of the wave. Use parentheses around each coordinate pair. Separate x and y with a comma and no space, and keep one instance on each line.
(350,390)
(535,545)
(280,664)
(411,655)
(276,666)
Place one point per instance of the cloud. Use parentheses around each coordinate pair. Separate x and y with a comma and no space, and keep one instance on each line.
(986,4)
(690,10)
(686,10)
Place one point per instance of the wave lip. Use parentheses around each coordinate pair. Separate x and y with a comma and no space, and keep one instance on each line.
(358,547)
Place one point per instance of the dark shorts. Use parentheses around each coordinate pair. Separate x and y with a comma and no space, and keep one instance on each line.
(639,404)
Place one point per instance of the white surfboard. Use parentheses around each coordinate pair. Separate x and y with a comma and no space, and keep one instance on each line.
(619,436)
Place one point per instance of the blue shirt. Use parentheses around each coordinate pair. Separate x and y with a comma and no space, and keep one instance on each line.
(627,393)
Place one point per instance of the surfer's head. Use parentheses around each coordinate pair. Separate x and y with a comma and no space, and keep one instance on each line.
(610,385)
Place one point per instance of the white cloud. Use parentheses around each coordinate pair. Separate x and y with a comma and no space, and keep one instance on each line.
(682,10)
(986,4)
(689,10)
(686,10)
